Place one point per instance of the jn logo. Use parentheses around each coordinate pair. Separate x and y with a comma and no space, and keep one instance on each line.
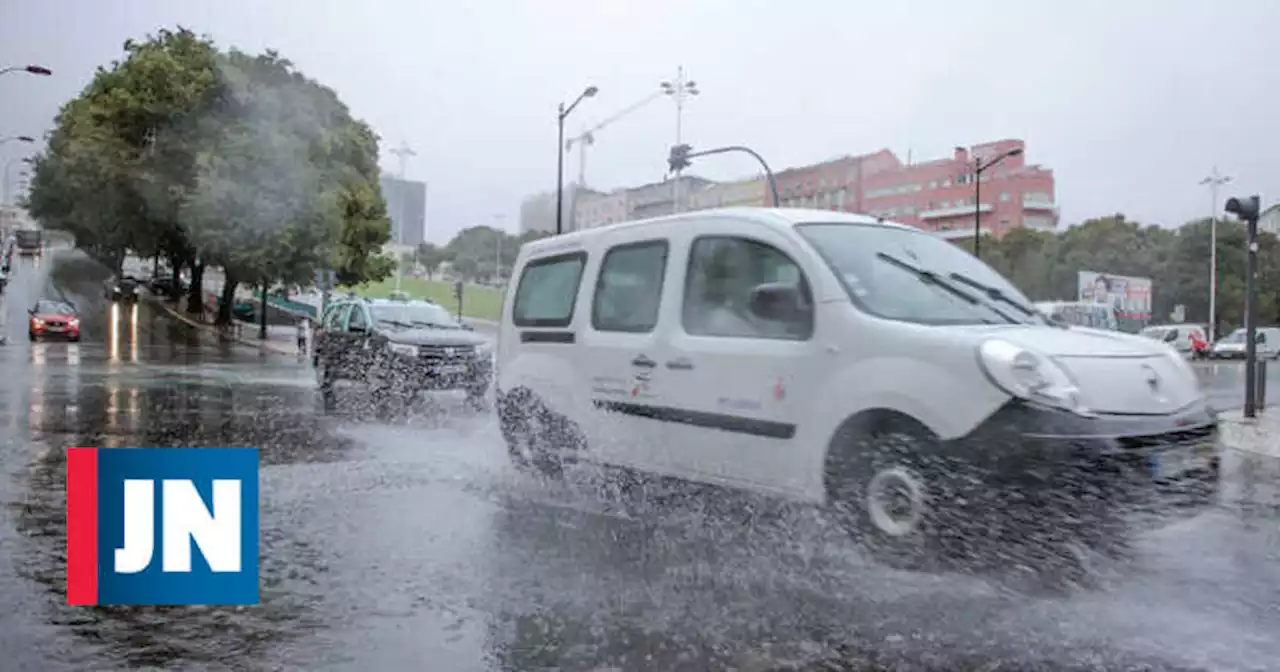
(121,502)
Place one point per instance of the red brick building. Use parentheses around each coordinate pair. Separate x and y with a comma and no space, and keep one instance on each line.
(935,195)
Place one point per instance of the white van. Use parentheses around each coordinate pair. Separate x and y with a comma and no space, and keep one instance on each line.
(1232,346)
(831,358)
(1178,336)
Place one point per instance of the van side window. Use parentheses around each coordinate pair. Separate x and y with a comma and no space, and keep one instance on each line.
(334,318)
(629,287)
(548,290)
(723,274)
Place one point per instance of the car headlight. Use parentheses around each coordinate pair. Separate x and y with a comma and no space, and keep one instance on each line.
(403,349)
(116,288)
(484,350)
(1027,375)
(75,322)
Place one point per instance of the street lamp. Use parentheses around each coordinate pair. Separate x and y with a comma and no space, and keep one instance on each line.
(560,150)
(30,69)
(1214,180)
(978,169)
(678,91)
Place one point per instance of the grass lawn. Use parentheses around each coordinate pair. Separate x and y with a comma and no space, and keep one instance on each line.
(480,302)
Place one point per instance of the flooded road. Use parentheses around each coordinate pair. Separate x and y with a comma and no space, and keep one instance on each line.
(411,544)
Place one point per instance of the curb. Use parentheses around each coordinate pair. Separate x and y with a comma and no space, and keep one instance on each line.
(265,346)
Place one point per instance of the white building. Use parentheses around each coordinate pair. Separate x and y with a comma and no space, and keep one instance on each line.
(1269,220)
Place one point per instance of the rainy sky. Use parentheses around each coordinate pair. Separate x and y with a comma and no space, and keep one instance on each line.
(1130,102)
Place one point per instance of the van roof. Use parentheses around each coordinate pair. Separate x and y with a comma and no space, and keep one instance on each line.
(782,218)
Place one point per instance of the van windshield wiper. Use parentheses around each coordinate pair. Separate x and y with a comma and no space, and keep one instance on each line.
(993,292)
(932,278)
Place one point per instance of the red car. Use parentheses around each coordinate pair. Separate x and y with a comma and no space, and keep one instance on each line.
(57,319)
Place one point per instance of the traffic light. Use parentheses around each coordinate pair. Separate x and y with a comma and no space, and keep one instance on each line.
(1244,208)
(679,159)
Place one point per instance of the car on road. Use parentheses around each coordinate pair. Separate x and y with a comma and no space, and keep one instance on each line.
(50,318)
(400,348)
(126,289)
(1232,346)
(841,360)
(29,241)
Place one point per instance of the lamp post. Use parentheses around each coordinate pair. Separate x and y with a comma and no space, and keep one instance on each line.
(29,69)
(679,90)
(560,150)
(1214,180)
(978,169)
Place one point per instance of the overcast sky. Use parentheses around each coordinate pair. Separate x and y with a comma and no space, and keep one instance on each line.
(1130,102)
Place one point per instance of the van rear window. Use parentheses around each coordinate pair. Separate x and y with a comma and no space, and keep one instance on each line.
(548,290)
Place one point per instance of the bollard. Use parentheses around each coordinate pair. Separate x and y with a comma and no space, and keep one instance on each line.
(1261,391)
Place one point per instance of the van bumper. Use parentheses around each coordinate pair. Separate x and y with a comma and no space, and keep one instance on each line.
(1087,467)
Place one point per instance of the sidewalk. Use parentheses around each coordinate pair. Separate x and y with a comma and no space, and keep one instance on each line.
(281,339)
(1258,436)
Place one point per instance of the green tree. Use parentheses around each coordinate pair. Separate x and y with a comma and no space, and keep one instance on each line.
(216,158)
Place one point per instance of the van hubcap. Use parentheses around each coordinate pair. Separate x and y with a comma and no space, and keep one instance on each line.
(896,501)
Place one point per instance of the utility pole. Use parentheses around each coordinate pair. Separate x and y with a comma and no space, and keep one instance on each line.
(679,90)
(1214,180)
(402,153)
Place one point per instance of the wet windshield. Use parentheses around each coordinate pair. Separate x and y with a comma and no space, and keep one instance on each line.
(902,274)
(415,316)
(53,308)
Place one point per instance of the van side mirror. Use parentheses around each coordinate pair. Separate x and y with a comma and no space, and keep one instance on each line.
(780,302)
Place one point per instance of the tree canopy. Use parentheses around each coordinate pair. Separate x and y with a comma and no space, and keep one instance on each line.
(1044,265)
(212,157)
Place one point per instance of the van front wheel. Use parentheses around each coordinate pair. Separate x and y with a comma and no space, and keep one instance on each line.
(889,483)
(527,429)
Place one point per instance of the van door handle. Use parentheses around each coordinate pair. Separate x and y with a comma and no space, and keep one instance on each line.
(681,364)
(643,361)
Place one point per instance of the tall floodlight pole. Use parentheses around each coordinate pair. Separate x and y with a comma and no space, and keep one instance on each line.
(563,113)
(402,153)
(679,90)
(1214,180)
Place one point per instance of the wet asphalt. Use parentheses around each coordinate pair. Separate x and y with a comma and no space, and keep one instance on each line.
(411,544)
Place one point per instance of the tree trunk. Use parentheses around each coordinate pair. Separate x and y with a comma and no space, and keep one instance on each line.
(195,297)
(175,269)
(228,299)
(262,317)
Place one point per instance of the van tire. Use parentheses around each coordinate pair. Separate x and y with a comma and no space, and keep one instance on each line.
(527,427)
(887,482)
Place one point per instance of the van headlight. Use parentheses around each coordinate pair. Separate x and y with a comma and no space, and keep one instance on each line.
(1027,375)
(484,350)
(403,349)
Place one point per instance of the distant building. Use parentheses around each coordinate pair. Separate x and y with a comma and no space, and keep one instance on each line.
(1269,220)
(599,209)
(407,208)
(740,194)
(937,195)
(538,212)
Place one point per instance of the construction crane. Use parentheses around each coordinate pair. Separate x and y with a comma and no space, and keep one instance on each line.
(588,137)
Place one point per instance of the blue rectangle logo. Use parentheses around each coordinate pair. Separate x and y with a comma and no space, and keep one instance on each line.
(162,526)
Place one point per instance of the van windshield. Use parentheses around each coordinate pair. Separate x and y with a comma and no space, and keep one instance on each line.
(908,275)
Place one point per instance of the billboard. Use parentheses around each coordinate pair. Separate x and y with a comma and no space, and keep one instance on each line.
(1129,297)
